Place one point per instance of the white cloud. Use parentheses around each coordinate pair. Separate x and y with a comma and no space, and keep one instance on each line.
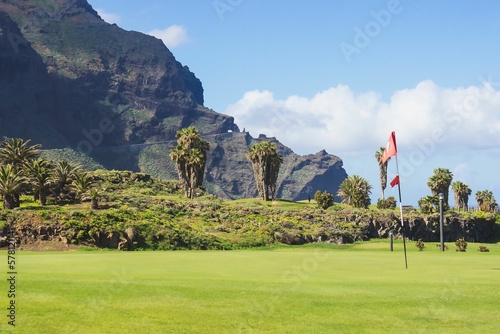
(458,129)
(108,17)
(172,36)
(343,121)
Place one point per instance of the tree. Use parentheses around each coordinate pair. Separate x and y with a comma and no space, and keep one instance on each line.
(324,199)
(486,201)
(12,184)
(428,203)
(63,174)
(17,152)
(190,156)
(461,192)
(389,203)
(82,183)
(440,182)
(355,191)
(382,169)
(39,176)
(266,163)
(95,196)
(86,189)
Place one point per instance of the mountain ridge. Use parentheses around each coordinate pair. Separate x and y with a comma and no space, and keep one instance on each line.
(80,82)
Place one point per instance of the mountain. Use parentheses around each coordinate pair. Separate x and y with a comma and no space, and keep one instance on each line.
(70,80)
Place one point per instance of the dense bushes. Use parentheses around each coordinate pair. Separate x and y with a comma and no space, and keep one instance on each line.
(324,199)
(144,213)
(388,203)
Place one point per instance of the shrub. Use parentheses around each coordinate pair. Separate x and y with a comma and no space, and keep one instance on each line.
(324,199)
(388,203)
(420,245)
(483,248)
(461,245)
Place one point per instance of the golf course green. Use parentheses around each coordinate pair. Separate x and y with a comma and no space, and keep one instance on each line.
(359,288)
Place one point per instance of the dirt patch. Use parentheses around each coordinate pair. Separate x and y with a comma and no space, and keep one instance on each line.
(47,246)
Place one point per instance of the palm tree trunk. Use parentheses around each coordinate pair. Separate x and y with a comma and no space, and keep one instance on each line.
(94,203)
(16,200)
(8,202)
(42,197)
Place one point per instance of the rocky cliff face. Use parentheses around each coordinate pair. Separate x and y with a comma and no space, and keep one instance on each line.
(69,79)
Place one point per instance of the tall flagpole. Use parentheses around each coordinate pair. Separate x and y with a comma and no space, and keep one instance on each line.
(401,211)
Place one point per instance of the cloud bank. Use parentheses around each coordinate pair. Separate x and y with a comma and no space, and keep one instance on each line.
(341,120)
(172,36)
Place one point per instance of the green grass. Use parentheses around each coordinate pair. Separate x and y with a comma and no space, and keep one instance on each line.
(360,288)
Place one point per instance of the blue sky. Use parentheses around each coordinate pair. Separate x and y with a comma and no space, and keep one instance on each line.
(341,75)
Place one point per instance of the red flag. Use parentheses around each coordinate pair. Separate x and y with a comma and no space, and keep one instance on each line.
(390,149)
(395,181)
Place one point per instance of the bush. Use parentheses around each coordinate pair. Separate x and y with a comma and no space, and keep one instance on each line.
(483,248)
(388,203)
(420,245)
(461,245)
(324,199)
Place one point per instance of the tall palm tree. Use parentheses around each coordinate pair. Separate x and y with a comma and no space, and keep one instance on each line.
(39,173)
(12,184)
(194,159)
(486,200)
(462,192)
(440,182)
(188,137)
(382,169)
(273,172)
(190,156)
(266,163)
(355,191)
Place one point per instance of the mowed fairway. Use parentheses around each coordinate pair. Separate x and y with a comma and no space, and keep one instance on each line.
(361,288)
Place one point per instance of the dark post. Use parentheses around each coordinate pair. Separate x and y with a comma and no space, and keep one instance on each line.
(391,238)
(441,197)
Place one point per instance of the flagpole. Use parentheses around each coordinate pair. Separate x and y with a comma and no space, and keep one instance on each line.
(401,212)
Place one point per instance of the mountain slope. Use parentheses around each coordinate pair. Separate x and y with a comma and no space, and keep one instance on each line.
(73,80)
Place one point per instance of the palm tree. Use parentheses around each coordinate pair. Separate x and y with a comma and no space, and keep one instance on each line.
(82,183)
(440,183)
(63,174)
(95,196)
(39,176)
(16,151)
(428,203)
(273,172)
(266,163)
(355,191)
(382,169)
(84,186)
(12,184)
(188,137)
(462,192)
(190,156)
(486,200)
(194,160)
